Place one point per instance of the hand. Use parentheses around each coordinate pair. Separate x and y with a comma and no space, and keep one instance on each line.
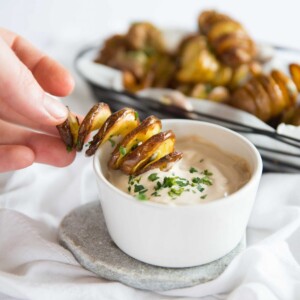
(25,75)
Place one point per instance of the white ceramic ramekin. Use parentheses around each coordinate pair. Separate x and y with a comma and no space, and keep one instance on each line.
(181,236)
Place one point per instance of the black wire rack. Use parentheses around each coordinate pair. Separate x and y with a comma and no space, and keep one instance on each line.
(276,159)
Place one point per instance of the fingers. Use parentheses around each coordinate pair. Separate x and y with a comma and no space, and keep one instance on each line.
(15,157)
(49,150)
(20,91)
(51,76)
(45,149)
(10,115)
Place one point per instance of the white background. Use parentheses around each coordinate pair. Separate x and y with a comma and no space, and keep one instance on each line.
(268,20)
(62,27)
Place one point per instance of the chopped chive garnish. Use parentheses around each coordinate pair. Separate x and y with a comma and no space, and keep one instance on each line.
(69,148)
(196,180)
(207,173)
(200,188)
(155,194)
(122,150)
(112,142)
(138,188)
(130,178)
(206,181)
(136,115)
(141,196)
(201,160)
(203,197)
(193,170)
(153,177)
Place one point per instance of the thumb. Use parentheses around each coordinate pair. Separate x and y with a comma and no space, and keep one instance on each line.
(20,91)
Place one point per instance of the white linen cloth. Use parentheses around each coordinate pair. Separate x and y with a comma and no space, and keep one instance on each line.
(33,265)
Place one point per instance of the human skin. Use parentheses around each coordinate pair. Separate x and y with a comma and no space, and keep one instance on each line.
(28,115)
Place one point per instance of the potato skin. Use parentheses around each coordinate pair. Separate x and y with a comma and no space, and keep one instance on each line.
(266,96)
(295,72)
(65,133)
(120,122)
(68,130)
(228,38)
(141,156)
(149,127)
(92,121)
(164,163)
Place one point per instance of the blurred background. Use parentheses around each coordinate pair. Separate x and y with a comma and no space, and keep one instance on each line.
(62,28)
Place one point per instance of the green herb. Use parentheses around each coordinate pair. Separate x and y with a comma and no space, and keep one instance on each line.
(182,182)
(193,170)
(207,173)
(129,189)
(203,197)
(200,188)
(141,196)
(155,194)
(206,181)
(176,192)
(136,115)
(169,181)
(138,188)
(112,142)
(69,148)
(122,150)
(158,185)
(130,178)
(201,160)
(153,177)
(196,180)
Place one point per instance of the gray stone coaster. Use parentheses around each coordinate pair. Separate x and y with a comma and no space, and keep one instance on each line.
(84,233)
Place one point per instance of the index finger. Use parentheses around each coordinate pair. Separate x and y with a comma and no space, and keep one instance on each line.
(51,76)
(20,91)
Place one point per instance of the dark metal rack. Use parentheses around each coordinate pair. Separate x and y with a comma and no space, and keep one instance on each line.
(146,106)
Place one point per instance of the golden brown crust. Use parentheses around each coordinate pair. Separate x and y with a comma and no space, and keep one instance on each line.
(228,38)
(68,130)
(65,133)
(292,116)
(158,145)
(164,164)
(270,95)
(287,87)
(295,72)
(94,119)
(149,127)
(119,123)
(145,36)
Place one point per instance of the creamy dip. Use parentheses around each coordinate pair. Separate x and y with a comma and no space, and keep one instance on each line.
(204,173)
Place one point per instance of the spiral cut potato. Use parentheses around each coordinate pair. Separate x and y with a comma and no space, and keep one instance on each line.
(266,96)
(143,146)
(228,38)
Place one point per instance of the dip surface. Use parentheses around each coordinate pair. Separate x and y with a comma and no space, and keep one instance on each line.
(204,173)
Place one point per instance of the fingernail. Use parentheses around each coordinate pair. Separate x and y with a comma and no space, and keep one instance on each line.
(55,108)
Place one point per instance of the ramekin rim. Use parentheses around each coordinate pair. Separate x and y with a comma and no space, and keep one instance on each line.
(256,173)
